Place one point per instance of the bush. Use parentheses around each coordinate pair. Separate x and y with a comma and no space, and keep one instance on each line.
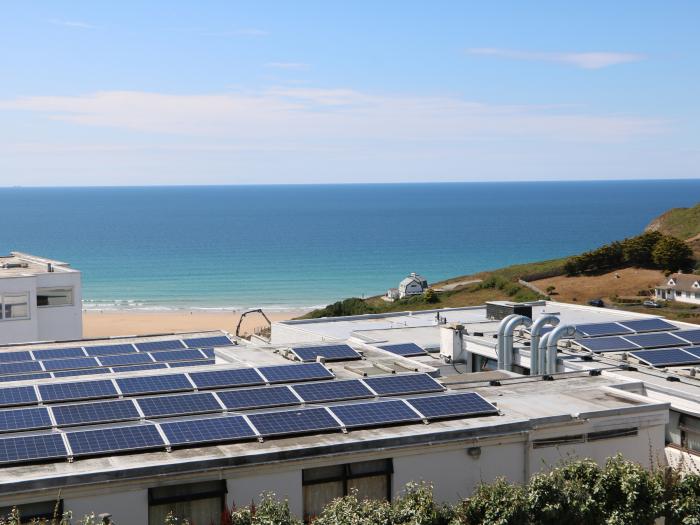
(430,296)
(500,503)
(269,512)
(351,306)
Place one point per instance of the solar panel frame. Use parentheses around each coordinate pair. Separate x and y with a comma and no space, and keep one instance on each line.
(404,349)
(202,362)
(95,412)
(14,357)
(339,352)
(16,419)
(153,384)
(663,357)
(208,430)
(258,398)
(25,377)
(214,341)
(692,336)
(75,363)
(375,413)
(40,447)
(136,368)
(137,358)
(614,343)
(110,350)
(293,422)
(445,406)
(155,346)
(293,373)
(324,391)
(209,353)
(401,384)
(18,395)
(176,405)
(656,340)
(81,372)
(602,329)
(115,439)
(96,389)
(22,367)
(47,354)
(649,325)
(694,350)
(226,378)
(188,354)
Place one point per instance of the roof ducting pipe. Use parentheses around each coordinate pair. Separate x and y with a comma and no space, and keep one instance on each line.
(535,333)
(499,339)
(560,332)
(542,354)
(507,347)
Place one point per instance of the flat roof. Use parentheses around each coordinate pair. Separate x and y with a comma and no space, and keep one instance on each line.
(19,264)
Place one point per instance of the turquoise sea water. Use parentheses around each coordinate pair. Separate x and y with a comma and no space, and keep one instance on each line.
(292,246)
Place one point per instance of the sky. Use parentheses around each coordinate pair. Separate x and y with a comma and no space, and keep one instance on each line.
(132,93)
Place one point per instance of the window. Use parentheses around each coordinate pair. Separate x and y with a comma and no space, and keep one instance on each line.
(610,434)
(54,297)
(15,306)
(197,502)
(371,480)
(34,512)
(690,432)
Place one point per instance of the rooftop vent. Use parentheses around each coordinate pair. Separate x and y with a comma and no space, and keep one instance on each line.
(9,266)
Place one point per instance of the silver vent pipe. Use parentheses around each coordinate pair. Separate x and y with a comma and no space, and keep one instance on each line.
(535,333)
(499,338)
(560,332)
(542,353)
(507,347)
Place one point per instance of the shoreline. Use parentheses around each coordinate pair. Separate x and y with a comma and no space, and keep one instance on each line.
(114,323)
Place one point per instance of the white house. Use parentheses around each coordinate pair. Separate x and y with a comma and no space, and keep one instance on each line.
(681,287)
(40,300)
(414,284)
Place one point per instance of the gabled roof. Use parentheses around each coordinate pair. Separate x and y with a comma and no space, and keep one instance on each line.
(685,282)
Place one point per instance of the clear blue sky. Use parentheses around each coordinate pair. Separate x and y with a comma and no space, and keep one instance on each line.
(122,93)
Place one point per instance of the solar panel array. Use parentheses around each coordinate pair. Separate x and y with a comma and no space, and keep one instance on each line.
(309,354)
(664,357)
(404,349)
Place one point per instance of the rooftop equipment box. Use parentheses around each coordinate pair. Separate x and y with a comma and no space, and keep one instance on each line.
(499,310)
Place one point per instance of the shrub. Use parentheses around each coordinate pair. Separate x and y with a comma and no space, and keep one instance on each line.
(499,503)
(268,512)
(431,296)
(417,506)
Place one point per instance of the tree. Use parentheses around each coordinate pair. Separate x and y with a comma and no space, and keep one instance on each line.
(672,254)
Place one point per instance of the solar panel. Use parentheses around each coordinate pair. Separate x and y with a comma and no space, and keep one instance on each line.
(118,349)
(32,448)
(297,421)
(19,368)
(95,412)
(163,406)
(12,357)
(648,325)
(58,353)
(226,378)
(404,349)
(25,377)
(602,329)
(607,344)
(114,439)
(135,368)
(154,384)
(375,413)
(403,384)
(208,352)
(308,354)
(24,419)
(177,355)
(291,373)
(222,428)
(154,346)
(199,342)
(126,359)
(71,364)
(666,357)
(332,391)
(655,340)
(83,372)
(452,405)
(247,398)
(692,336)
(201,362)
(77,390)
(19,395)
(695,350)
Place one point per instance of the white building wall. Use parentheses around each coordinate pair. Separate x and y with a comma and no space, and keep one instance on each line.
(126,508)
(20,330)
(60,323)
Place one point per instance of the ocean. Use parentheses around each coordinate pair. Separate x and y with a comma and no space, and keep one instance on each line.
(284,247)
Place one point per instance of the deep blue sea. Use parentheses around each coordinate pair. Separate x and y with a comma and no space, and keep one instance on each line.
(300,246)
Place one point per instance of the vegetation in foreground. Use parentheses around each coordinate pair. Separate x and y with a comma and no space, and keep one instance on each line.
(576,493)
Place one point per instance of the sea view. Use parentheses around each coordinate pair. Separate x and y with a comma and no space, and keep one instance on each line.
(298,246)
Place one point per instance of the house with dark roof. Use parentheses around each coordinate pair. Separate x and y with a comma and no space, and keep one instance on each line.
(682,287)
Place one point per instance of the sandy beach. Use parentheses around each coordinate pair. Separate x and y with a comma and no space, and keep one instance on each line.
(111,323)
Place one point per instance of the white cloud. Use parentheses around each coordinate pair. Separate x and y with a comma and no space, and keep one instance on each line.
(589,60)
(71,23)
(311,118)
(292,66)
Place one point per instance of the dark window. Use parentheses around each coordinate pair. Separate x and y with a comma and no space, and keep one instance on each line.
(556,441)
(200,503)
(609,434)
(34,512)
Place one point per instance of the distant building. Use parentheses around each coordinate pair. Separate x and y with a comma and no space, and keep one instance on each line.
(681,287)
(40,300)
(414,284)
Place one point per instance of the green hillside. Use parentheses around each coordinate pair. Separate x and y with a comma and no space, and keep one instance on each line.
(683,223)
